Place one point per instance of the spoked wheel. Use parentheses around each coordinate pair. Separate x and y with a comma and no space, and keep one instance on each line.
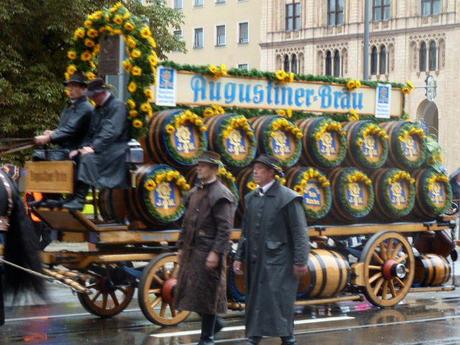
(388,268)
(156,291)
(107,298)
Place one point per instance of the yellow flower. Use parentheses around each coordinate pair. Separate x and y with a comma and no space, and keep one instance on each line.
(291,77)
(117,32)
(67,77)
(132,87)
(129,26)
(136,71)
(146,107)
(127,15)
(72,54)
(97,49)
(251,185)
(97,15)
(170,129)
(410,84)
(351,84)
(79,33)
(89,43)
(199,122)
(281,112)
(145,32)
(86,56)
(280,75)
(213,69)
(148,93)
(133,113)
(88,23)
(137,123)
(153,59)
(136,53)
(152,42)
(92,33)
(118,19)
(131,104)
(127,65)
(150,185)
(90,75)
(131,42)
(208,112)
(71,69)
(223,70)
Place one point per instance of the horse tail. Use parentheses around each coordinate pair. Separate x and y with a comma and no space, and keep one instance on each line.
(21,248)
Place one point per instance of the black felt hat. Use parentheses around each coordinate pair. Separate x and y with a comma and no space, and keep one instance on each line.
(96,86)
(77,78)
(210,157)
(270,162)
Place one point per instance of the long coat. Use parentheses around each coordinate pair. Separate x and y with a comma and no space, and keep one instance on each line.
(274,238)
(108,136)
(206,227)
(73,124)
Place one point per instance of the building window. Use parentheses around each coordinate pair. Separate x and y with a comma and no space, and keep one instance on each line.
(198,3)
(381,10)
(328,70)
(178,4)
(220,2)
(244,66)
(294,64)
(286,63)
(422,57)
(293,13)
(337,69)
(431,7)
(374,60)
(383,60)
(220,35)
(198,41)
(433,54)
(335,9)
(243,33)
(178,34)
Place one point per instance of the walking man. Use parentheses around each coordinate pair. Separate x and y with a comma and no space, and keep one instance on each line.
(203,247)
(274,249)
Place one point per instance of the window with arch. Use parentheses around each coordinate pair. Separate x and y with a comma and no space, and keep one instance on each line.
(381,10)
(383,60)
(328,70)
(337,67)
(422,57)
(431,7)
(335,10)
(374,60)
(294,64)
(433,56)
(286,63)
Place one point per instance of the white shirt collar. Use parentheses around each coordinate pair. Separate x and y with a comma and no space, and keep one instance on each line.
(107,96)
(267,187)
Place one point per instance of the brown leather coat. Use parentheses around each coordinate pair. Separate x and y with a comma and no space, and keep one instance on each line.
(207,225)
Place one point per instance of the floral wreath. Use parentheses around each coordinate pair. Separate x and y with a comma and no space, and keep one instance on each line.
(352,175)
(407,131)
(303,179)
(281,124)
(366,130)
(213,110)
(141,63)
(394,176)
(328,125)
(431,177)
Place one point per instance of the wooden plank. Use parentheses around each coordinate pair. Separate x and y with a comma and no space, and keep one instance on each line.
(73,237)
(61,220)
(330,300)
(50,177)
(433,288)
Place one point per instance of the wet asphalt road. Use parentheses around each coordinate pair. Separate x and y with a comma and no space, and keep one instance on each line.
(427,318)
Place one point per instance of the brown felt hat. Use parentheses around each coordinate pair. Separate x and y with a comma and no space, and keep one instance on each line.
(270,162)
(210,157)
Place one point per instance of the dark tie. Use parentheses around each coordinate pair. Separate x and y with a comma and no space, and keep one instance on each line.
(260,191)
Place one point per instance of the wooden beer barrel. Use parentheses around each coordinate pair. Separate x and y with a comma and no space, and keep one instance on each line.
(176,137)
(232,137)
(328,274)
(353,194)
(158,199)
(315,189)
(324,142)
(279,138)
(431,270)
(434,193)
(225,176)
(112,205)
(367,145)
(407,144)
(394,191)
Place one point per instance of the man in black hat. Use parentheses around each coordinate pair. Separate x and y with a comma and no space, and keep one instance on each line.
(203,248)
(74,120)
(274,249)
(103,151)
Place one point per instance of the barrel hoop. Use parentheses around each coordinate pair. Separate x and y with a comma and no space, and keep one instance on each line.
(312,272)
(339,261)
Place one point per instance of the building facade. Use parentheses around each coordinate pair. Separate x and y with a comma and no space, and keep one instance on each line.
(219,32)
(409,40)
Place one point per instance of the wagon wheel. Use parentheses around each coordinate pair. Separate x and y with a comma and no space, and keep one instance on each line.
(107,299)
(156,291)
(388,268)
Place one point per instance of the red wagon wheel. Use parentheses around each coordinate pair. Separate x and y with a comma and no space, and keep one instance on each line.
(388,268)
(156,291)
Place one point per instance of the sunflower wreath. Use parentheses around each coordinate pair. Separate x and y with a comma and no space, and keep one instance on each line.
(141,63)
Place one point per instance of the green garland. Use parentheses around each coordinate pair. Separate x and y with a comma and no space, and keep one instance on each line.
(225,155)
(235,72)
(424,197)
(342,192)
(266,135)
(358,153)
(313,144)
(395,212)
(401,156)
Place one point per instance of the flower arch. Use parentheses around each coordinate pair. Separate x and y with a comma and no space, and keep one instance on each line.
(141,62)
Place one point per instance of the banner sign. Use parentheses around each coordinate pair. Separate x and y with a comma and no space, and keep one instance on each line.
(197,89)
(383,101)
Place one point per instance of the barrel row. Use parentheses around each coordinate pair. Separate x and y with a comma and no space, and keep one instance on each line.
(177,137)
